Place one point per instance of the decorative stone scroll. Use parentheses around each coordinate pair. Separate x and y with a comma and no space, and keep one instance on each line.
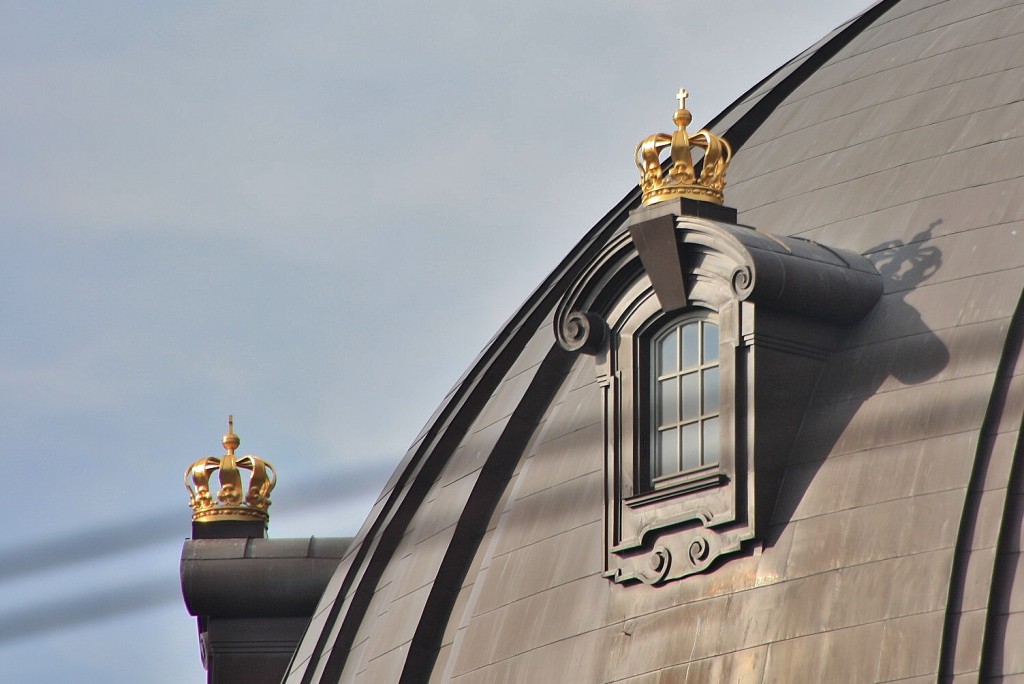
(582,331)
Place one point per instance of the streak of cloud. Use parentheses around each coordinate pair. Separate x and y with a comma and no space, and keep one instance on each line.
(50,616)
(107,540)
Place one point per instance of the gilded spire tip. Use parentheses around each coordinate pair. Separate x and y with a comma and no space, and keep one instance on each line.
(231,440)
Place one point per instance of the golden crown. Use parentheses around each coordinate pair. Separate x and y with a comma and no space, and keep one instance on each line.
(681,180)
(232,502)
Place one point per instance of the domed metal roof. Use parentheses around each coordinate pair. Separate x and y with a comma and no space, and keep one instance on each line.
(894,542)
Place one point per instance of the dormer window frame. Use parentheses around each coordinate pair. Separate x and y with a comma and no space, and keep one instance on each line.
(781,305)
(632,365)
(641,510)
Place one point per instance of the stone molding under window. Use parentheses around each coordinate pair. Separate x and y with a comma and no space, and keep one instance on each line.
(779,304)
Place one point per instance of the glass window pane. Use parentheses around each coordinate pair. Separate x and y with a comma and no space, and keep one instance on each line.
(711,441)
(668,354)
(691,396)
(685,397)
(667,461)
(711,399)
(691,446)
(691,345)
(710,342)
(668,402)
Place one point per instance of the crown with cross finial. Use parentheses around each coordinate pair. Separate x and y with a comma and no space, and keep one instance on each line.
(233,501)
(680,179)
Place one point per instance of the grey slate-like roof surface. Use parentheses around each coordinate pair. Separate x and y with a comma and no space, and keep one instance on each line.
(896,539)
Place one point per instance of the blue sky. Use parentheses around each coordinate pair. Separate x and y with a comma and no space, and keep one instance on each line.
(311,215)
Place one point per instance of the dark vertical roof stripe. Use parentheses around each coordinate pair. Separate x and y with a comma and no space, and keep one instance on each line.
(953,630)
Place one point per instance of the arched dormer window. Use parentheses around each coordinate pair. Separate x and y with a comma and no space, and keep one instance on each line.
(685,402)
(707,339)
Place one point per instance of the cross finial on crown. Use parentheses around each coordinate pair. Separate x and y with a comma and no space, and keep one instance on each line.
(231,441)
(681,96)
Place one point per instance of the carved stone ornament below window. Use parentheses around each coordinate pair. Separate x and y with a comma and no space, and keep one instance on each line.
(708,338)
